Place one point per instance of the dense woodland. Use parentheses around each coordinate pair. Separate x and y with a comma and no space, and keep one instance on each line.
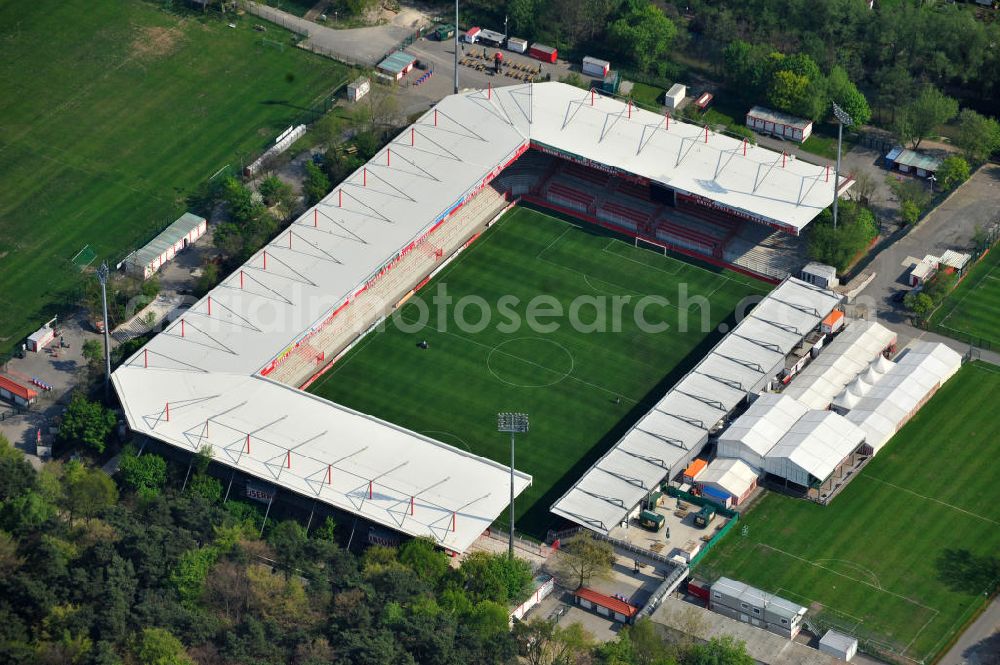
(144,568)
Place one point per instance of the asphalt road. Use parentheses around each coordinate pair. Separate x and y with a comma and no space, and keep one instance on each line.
(980,643)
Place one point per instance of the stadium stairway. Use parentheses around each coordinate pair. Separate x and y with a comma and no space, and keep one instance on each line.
(386,291)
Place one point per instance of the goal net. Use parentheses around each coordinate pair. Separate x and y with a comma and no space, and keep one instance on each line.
(642,243)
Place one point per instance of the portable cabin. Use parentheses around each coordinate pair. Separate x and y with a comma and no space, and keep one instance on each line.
(492,38)
(543,53)
(676,95)
(517,45)
(838,645)
(14,392)
(775,123)
(833,322)
(397,65)
(358,88)
(704,517)
(471,35)
(694,470)
(651,521)
(41,338)
(595,67)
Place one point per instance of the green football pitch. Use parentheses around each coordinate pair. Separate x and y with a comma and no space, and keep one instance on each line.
(972,311)
(581,389)
(902,557)
(112,114)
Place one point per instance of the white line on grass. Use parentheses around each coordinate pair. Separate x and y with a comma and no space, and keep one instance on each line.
(930,498)
(531,362)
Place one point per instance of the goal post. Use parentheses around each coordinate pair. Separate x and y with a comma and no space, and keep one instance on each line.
(643,243)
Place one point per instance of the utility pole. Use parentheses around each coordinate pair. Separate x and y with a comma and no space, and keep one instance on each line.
(456,47)
(102,277)
(842,119)
(513,423)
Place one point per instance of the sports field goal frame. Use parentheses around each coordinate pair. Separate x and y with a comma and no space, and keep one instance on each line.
(84,257)
(659,245)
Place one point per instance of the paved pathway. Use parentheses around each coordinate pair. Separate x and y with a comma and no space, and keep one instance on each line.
(360,46)
(980,643)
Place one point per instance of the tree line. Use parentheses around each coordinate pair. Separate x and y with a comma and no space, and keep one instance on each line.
(152,566)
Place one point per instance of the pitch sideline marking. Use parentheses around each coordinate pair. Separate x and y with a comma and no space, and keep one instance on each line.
(930,498)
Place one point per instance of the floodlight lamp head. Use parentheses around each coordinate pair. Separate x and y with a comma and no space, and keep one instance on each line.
(512,422)
(102,273)
(842,116)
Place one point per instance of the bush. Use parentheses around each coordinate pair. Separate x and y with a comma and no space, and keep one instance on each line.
(144,474)
(839,246)
(953,172)
(909,212)
(88,423)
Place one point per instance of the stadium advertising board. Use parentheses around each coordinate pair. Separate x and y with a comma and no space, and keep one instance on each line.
(736,212)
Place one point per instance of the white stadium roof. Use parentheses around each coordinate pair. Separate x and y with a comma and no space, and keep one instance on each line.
(845,358)
(676,428)
(208,365)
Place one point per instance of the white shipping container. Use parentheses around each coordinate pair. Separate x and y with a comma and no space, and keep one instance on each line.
(517,45)
(596,67)
(358,89)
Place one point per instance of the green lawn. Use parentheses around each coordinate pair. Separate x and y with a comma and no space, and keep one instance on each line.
(972,311)
(647,96)
(581,389)
(885,560)
(111,116)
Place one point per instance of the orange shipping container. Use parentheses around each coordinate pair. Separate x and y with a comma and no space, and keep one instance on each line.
(694,470)
(833,322)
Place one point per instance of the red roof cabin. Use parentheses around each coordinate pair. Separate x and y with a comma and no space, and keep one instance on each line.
(604,605)
(543,53)
(16,393)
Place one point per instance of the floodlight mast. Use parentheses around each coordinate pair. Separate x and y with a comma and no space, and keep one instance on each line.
(513,423)
(456,47)
(102,277)
(842,119)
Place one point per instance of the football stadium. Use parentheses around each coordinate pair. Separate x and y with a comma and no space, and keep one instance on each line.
(625,201)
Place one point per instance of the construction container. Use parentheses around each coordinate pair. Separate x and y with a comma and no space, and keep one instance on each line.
(543,53)
(517,45)
(704,517)
(596,67)
(833,322)
(651,521)
(444,32)
(358,88)
(491,38)
(676,95)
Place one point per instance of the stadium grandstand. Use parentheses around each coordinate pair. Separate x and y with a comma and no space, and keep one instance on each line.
(226,375)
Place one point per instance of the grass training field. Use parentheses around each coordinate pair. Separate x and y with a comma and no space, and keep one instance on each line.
(972,311)
(112,114)
(901,558)
(579,388)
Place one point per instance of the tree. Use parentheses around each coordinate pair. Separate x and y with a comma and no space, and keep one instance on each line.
(839,246)
(93,353)
(89,492)
(582,557)
(643,33)
(87,422)
(909,212)
(425,559)
(209,277)
(843,91)
(921,117)
(978,136)
(159,647)
(188,577)
(243,205)
(953,172)
(145,474)
(9,560)
(647,645)
(541,642)
(723,650)
(919,303)
(316,185)
(495,577)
